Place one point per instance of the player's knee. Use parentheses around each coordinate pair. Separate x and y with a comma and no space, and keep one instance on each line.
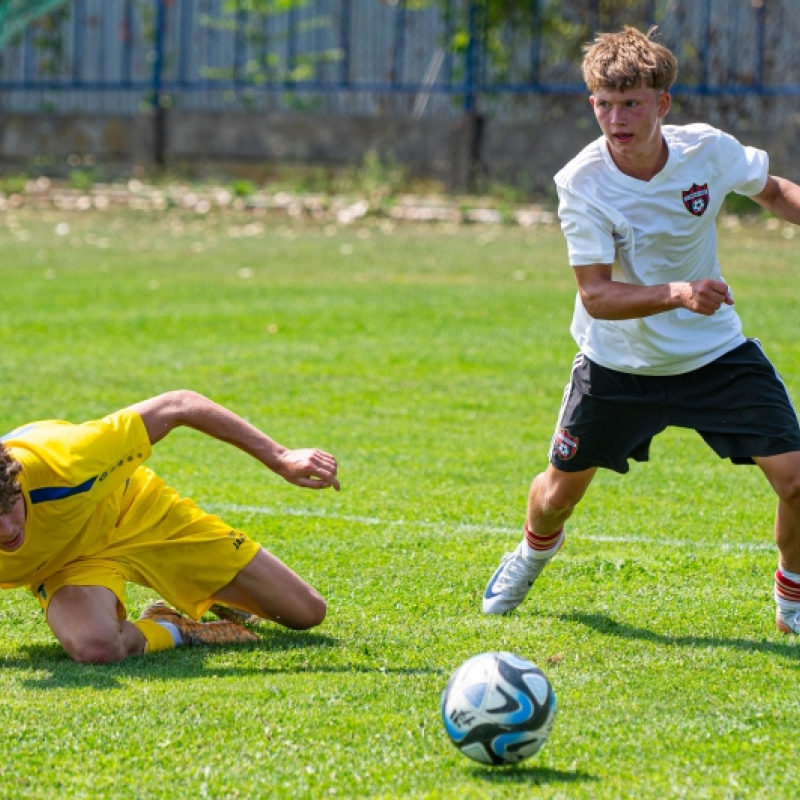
(788,490)
(794,488)
(315,612)
(557,494)
(555,500)
(308,614)
(94,651)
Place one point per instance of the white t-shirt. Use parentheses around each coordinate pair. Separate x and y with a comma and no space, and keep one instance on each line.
(655,232)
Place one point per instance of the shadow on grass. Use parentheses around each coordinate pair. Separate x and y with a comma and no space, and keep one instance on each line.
(527,775)
(603,623)
(54,669)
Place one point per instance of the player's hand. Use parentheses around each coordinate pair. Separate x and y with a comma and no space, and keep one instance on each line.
(309,468)
(706,296)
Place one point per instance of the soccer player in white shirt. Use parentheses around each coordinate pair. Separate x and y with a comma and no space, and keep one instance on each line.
(659,340)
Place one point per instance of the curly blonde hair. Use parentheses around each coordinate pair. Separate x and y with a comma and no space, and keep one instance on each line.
(9,487)
(628,59)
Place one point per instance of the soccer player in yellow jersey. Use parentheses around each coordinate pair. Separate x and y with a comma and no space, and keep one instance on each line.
(80,516)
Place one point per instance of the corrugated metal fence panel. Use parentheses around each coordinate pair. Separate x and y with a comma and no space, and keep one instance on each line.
(375,57)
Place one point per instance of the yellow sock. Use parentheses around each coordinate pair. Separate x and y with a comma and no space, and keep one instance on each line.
(157,637)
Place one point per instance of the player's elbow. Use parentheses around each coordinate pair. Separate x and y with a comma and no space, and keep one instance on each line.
(593,303)
(176,408)
(183,403)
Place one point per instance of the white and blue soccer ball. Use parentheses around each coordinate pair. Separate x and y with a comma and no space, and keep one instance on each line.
(498,708)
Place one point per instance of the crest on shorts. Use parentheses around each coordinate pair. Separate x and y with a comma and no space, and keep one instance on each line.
(696,199)
(565,445)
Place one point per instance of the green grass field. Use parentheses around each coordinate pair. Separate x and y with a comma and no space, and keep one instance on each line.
(430,361)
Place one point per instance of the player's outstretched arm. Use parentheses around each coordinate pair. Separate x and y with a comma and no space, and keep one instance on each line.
(781,197)
(310,468)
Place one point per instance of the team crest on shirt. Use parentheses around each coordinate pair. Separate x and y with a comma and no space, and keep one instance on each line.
(696,199)
(565,445)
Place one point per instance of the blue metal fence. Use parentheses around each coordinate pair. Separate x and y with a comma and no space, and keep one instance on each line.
(389,57)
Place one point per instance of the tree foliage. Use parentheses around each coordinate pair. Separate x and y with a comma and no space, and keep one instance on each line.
(17,15)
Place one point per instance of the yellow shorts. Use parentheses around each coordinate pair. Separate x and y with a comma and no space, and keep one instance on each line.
(164,542)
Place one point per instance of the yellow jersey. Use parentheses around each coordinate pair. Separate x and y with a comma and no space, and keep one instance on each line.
(74,481)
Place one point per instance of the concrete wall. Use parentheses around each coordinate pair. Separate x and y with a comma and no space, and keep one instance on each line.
(448,151)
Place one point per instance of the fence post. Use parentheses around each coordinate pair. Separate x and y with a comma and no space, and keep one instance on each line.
(474,119)
(761,19)
(158,104)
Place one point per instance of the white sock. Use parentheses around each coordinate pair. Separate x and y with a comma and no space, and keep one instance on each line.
(542,555)
(176,634)
(786,596)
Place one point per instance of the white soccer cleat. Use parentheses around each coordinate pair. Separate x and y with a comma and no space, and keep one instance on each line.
(788,622)
(512,580)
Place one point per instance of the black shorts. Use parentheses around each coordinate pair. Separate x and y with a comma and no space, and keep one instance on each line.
(737,403)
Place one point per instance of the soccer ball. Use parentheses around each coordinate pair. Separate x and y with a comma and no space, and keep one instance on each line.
(498,708)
